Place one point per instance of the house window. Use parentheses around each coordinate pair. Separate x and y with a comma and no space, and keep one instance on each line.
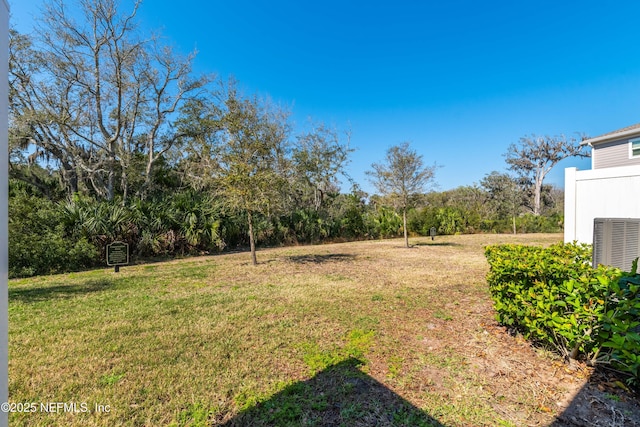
(634,148)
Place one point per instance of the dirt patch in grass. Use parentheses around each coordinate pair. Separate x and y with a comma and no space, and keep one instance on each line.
(364,333)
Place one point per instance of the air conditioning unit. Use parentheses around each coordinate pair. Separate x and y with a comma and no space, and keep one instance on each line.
(616,242)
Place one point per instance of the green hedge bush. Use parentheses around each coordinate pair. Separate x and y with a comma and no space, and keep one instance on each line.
(554,297)
(620,331)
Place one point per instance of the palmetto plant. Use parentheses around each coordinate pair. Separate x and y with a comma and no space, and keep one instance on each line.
(100,222)
(387,221)
(188,223)
(198,222)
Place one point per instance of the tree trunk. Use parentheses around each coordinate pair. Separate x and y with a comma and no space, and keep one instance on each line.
(110,185)
(537,196)
(149,168)
(514,225)
(252,243)
(111,177)
(125,186)
(70,178)
(404,221)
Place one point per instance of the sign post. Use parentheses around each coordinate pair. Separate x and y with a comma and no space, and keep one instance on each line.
(117,255)
(432,232)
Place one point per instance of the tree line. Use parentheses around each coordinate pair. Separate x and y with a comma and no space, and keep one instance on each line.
(114,137)
(49,235)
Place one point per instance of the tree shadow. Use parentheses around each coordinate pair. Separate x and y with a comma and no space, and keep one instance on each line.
(36,294)
(340,395)
(434,243)
(599,404)
(320,259)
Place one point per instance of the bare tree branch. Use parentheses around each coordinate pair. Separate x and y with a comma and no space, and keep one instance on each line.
(534,157)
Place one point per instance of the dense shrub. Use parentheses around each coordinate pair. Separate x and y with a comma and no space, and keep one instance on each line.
(530,223)
(386,222)
(420,221)
(185,224)
(532,289)
(620,332)
(554,297)
(38,243)
(450,221)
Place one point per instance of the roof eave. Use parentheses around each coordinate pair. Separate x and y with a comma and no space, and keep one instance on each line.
(611,137)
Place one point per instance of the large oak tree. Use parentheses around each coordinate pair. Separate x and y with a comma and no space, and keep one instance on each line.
(534,157)
(90,93)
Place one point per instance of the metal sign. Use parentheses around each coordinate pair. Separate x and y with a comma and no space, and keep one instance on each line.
(432,232)
(118,254)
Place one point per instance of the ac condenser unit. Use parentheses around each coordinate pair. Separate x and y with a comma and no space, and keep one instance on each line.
(616,242)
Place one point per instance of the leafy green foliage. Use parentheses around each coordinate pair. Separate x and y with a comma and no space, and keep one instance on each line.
(387,222)
(620,330)
(401,179)
(554,297)
(187,223)
(450,221)
(38,243)
(548,294)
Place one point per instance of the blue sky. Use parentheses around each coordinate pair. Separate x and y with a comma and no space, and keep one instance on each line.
(460,80)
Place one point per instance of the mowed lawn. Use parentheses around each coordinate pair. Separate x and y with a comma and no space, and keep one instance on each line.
(364,333)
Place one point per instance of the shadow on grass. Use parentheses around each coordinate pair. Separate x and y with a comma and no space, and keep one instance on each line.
(320,259)
(340,395)
(434,243)
(597,404)
(35,294)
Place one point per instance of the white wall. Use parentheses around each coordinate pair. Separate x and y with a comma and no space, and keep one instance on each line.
(599,193)
(4,197)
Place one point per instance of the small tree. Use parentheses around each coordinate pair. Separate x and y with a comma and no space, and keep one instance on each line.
(239,151)
(319,157)
(534,157)
(505,198)
(402,178)
(250,174)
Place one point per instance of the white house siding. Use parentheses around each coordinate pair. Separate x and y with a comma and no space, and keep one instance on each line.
(612,154)
(599,193)
(4,215)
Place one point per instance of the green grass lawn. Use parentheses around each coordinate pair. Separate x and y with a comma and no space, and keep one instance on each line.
(365,333)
